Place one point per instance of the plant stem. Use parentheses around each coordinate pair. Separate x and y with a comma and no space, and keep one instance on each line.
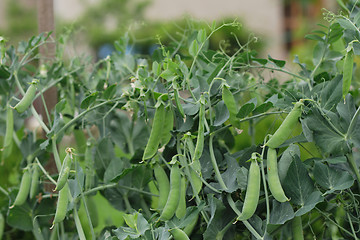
(214,164)
(352,123)
(354,167)
(44,171)
(265,190)
(246,223)
(36,230)
(78,225)
(351,226)
(72,121)
(56,154)
(100,188)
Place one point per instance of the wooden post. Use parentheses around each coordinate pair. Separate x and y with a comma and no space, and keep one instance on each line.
(46,23)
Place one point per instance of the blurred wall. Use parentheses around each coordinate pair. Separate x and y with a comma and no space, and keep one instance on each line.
(264,17)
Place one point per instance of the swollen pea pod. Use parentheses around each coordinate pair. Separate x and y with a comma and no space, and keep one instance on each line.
(34,181)
(174,194)
(179,234)
(231,105)
(62,204)
(252,191)
(8,139)
(199,147)
(347,72)
(155,134)
(2,225)
(196,182)
(178,103)
(28,98)
(188,229)
(273,176)
(167,127)
(181,208)
(24,189)
(154,199)
(89,167)
(285,129)
(164,185)
(65,170)
(297,229)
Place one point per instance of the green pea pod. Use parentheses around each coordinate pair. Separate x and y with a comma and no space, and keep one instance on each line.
(167,127)
(89,167)
(273,177)
(8,139)
(252,192)
(93,211)
(179,234)
(155,134)
(347,72)
(34,181)
(188,229)
(2,225)
(64,171)
(164,185)
(297,229)
(28,98)
(181,208)
(62,204)
(154,199)
(174,194)
(287,126)
(196,182)
(23,190)
(199,147)
(231,105)
(178,103)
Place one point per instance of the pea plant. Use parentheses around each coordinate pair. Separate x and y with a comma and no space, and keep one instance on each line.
(188,143)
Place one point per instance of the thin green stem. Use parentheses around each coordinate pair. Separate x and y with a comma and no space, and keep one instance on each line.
(44,171)
(332,221)
(352,123)
(265,189)
(214,164)
(4,192)
(85,204)
(37,230)
(99,188)
(238,212)
(40,121)
(56,154)
(46,110)
(72,121)
(79,228)
(351,226)
(354,167)
(137,190)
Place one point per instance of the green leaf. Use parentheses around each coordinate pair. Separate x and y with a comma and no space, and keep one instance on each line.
(156,68)
(336,160)
(20,218)
(281,212)
(286,159)
(297,183)
(331,178)
(346,24)
(90,99)
(314,37)
(60,106)
(194,48)
(310,202)
(221,113)
(262,61)
(247,108)
(229,175)
(219,219)
(201,36)
(330,92)
(347,72)
(110,91)
(327,136)
(279,63)
(263,107)
(114,170)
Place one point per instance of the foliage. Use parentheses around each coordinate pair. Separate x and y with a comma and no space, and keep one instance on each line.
(179,99)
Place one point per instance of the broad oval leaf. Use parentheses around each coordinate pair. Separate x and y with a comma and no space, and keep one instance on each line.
(89,100)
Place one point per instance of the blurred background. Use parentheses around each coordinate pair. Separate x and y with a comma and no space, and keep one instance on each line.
(94,25)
